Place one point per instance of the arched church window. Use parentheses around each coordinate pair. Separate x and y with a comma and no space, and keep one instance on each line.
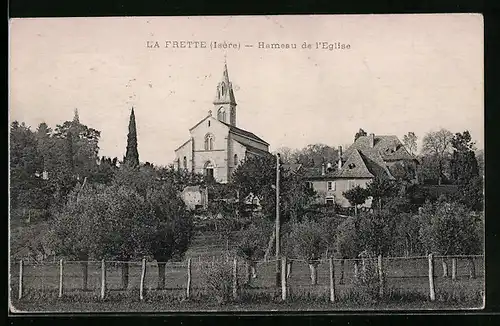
(222,114)
(235,159)
(209,142)
(184,163)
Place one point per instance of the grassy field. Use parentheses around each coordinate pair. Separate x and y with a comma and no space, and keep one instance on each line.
(132,306)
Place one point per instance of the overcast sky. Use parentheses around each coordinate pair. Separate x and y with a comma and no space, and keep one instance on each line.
(402,73)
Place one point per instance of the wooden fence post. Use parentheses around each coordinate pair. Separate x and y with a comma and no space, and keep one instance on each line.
(472,268)
(188,287)
(20,279)
(60,278)
(283,278)
(332,280)
(432,293)
(235,279)
(143,276)
(454,268)
(380,276)
(103,279)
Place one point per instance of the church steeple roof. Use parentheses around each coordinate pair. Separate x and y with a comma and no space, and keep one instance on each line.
(225,93)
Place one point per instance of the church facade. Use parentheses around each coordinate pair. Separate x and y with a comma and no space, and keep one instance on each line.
(217,146)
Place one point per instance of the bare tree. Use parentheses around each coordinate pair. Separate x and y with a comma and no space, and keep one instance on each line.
(410,142)
(287,154)
(437,144)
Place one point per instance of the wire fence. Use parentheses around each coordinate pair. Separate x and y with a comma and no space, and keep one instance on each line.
(411,274)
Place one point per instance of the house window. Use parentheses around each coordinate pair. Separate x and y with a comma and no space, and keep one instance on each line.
(185,163)
(209,123)
(209,142)
(329,200)
(330,185)
(235,160)
(309,184)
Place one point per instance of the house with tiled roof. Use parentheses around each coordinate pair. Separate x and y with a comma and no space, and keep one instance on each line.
(216,145)
(369,157)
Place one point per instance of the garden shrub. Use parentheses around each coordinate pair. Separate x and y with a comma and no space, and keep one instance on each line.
(218,281)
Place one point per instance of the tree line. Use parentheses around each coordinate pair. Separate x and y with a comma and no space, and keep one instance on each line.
(98,207)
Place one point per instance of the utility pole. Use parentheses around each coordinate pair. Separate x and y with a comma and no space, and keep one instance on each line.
(277,231)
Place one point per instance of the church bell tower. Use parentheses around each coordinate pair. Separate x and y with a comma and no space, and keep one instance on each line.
(225,103)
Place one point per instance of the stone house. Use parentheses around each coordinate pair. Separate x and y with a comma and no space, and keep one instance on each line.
(368,157)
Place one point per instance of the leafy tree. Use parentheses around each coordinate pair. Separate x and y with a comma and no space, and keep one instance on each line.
(132,155)
(171,230)
(471,194)
(465,171)
(356,196)
(360,133)
(23,163)
(257,177)
(83,142)
(406,239)
(252,244)
(448,228)
(75,228)
(381,190)
(480,161)
(313,155)
(464,165)
(399,204)
(404,173)
(141,179)
(437,146)
(309,244)
(105,171)
(410,142)
(347,243)
(375,232)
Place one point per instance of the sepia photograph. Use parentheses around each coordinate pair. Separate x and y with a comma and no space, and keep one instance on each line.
(246,163)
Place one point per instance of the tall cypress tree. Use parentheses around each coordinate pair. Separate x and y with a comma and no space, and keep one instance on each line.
(132,155)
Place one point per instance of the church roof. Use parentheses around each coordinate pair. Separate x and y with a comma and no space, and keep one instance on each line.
(256,150)
(187,141)
(244,133)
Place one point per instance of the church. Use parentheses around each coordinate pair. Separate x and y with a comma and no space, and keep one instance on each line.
(217,145)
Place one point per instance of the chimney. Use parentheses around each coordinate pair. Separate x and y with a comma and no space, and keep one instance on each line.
(323,169)
(340,158)
(371,139)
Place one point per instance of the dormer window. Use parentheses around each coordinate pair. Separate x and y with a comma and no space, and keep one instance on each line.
(352,166)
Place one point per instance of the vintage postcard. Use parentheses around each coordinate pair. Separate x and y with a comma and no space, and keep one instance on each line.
(246,163)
